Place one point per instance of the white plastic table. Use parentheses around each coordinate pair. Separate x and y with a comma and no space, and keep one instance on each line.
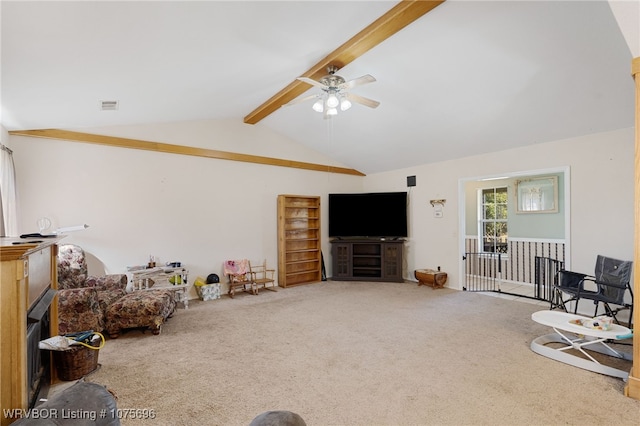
(583,339)
(158,278)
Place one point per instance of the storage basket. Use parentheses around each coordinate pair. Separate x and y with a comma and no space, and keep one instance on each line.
(208,291)
(77,361)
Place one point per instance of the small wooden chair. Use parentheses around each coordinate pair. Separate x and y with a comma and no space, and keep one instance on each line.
(239,276)
(262,276)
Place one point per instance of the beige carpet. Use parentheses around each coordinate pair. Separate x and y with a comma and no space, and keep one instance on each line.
(356,353)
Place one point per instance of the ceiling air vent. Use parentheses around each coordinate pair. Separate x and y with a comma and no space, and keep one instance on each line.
(108,105)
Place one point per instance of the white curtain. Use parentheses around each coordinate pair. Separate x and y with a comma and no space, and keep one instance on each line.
(8,205)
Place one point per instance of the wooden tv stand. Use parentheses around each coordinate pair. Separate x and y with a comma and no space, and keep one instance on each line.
(367,259)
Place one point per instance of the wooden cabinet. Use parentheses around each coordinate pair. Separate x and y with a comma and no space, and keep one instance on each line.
(367,260)
(299,248)
(28,275)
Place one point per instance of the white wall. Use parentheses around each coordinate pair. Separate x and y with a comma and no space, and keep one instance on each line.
(202,211)
(602,191)
(199,211)
(4,136)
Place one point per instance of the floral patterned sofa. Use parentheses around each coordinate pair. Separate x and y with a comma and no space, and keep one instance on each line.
(102,303)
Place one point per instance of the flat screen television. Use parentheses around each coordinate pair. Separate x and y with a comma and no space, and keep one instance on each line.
(368,215)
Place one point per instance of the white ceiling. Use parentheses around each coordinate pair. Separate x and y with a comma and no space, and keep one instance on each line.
(467,78)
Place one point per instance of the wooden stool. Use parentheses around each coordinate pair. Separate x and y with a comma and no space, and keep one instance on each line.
(430,277)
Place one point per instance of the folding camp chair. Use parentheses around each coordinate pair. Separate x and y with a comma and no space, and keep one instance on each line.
(608,286)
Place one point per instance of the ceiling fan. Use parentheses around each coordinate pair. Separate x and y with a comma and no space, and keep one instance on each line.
(335,93)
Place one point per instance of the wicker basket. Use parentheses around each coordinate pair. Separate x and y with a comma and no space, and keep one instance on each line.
(76,362)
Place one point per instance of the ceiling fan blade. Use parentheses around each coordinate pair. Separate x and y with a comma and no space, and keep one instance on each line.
(300,100)
(362,100)
(311,81)
(357,82)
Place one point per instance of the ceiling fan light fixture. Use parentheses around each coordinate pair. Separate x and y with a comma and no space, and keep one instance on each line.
(332,100)
(334,93)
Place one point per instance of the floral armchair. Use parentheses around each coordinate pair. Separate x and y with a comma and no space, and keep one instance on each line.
(83,300)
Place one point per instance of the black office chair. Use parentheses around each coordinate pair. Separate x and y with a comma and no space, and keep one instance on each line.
(608,286)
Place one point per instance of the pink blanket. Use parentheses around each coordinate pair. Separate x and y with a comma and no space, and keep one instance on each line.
(236,267)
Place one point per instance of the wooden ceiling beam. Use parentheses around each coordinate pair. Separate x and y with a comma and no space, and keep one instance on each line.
(398,17)
(72,136)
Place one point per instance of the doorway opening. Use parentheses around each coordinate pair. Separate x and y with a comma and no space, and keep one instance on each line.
(515,230)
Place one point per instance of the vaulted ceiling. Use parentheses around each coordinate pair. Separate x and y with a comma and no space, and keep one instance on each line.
(466,78)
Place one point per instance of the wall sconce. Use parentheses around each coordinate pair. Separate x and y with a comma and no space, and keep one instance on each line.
(437,206)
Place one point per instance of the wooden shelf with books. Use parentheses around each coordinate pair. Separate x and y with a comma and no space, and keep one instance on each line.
(299,248)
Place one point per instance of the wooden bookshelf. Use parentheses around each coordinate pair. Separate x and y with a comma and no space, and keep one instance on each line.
(299,248)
